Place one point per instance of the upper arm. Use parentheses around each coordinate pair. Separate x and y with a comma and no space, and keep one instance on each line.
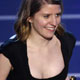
(5,67)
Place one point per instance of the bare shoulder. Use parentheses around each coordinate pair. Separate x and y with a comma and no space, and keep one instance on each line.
(5,67)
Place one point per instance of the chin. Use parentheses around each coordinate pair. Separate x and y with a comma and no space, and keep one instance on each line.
(48,37)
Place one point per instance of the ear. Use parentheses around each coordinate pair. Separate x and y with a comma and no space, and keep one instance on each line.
(29,19)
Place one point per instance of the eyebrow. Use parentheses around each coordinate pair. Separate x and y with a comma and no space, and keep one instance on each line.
(46,13)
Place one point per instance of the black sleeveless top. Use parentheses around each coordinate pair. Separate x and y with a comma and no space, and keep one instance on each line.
(16,52)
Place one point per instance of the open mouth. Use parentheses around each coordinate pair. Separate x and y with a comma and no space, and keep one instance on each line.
(50,29)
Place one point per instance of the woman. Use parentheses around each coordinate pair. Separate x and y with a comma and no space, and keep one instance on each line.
(41,49)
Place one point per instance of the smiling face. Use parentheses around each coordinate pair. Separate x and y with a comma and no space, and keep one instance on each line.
(45,22)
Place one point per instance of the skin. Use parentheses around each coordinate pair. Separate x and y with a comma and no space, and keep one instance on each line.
(5,67)
(42,44)
(48,17)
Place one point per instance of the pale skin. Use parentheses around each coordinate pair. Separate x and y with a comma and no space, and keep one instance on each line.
(42,45)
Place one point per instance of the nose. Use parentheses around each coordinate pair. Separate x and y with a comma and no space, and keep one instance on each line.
(53,21)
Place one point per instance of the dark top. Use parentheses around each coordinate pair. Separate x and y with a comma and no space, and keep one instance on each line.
(16,52)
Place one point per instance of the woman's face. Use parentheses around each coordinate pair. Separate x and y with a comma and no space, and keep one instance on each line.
(45,22)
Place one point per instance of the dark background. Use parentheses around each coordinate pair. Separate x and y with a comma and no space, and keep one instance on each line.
(70,19)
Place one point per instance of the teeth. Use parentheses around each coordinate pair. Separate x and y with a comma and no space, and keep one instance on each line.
(50,28)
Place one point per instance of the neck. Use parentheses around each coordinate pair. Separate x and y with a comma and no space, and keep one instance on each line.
(38,41)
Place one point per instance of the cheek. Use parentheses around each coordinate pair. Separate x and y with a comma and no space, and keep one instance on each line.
(40,22)
(59,20)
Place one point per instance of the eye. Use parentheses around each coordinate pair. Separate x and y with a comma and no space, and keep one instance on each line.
(46,16)
(58,14)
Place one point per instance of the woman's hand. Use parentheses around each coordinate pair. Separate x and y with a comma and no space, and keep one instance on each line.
(67,78)
(70,78)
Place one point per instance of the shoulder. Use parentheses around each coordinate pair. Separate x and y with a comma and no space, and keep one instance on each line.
(11,43)
(10,48)
(69,44)
(70,39)
(69,36)
(8,45)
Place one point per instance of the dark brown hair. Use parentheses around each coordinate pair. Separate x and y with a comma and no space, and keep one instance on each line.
(28,9)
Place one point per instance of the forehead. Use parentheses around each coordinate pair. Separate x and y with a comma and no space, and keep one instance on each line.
(53,8)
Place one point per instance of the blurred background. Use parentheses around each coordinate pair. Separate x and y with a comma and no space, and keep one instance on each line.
(70,20)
